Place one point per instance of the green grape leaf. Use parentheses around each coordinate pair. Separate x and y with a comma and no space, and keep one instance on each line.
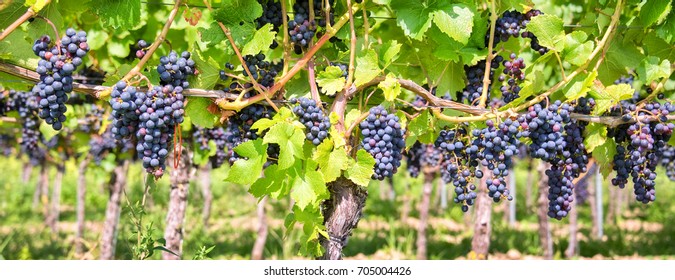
(413,17)
(666,31)
(308,188)
(330,80)
(197,109)
(209,72)
(620,56)
(549,30)
(351,117)
(47,131)
(331,160)
(457,22)
(580,88)
(246,171)
(37,28)
(361,171)
(390,87)
(261,41)
(650,69)
(421,129)
(273,183)
(654,11)
(119,14)
(234,12)
(577,48)
(15,48)
(367,68)
(9,12)
(389,52)
(609,96)
(604,156)
(213,35)
(290,140)
(594,136)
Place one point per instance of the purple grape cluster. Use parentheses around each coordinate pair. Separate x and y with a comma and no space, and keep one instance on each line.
(239,128)
(271,14)
(262,71)
(26,104)
(459,165)
(421,157)
(639,148)
(514,24)
(474,85)
(511,78)
(92,119)
(218,135)
(124,116)
(667,160)
(56,66)
(174,70)
(101,145)
(558,140)
(316,122)
(383,139)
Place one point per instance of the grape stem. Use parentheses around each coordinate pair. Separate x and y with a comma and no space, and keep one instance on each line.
(158,41)
(340,104)
(257,86)
(490,56)
(312,83)
(23,18)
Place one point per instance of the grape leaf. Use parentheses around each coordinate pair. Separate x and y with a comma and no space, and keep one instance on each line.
(361,171)
(261,41)
(666,31)
(331,80)
(594,136)
(577,48)
(367,68)
(213,35)
(604,156)
(37,28)
(234,12)
(621,55)
(209,72)
(390,87)
(654,11)
(290,140)
(389,52)
(244,171)
(456,21)
(308,188)
(609,96)
(651,70)
(10,12)
(273,183)
(331,160)
(580,88)
(201,157)
(549,30)
(421,129)
(119,14)
(197,109)
(413,17)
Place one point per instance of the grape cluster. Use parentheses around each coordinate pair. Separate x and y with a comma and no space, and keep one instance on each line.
(300,29)
(383,139)
(316,122)
(124,116)
(239,128)
(474,75)
(218,135)
(92,119)
(558,140)
(422,156)
(56,66)
(640,146)
(26,104)
(668,161)
(5,104)
(174,70)
(514,24)
(271,14)
(459,165)
(495,145)
(512,76)
(101,145)
(262,71)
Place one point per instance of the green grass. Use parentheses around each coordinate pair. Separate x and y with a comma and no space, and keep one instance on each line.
(380,234)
